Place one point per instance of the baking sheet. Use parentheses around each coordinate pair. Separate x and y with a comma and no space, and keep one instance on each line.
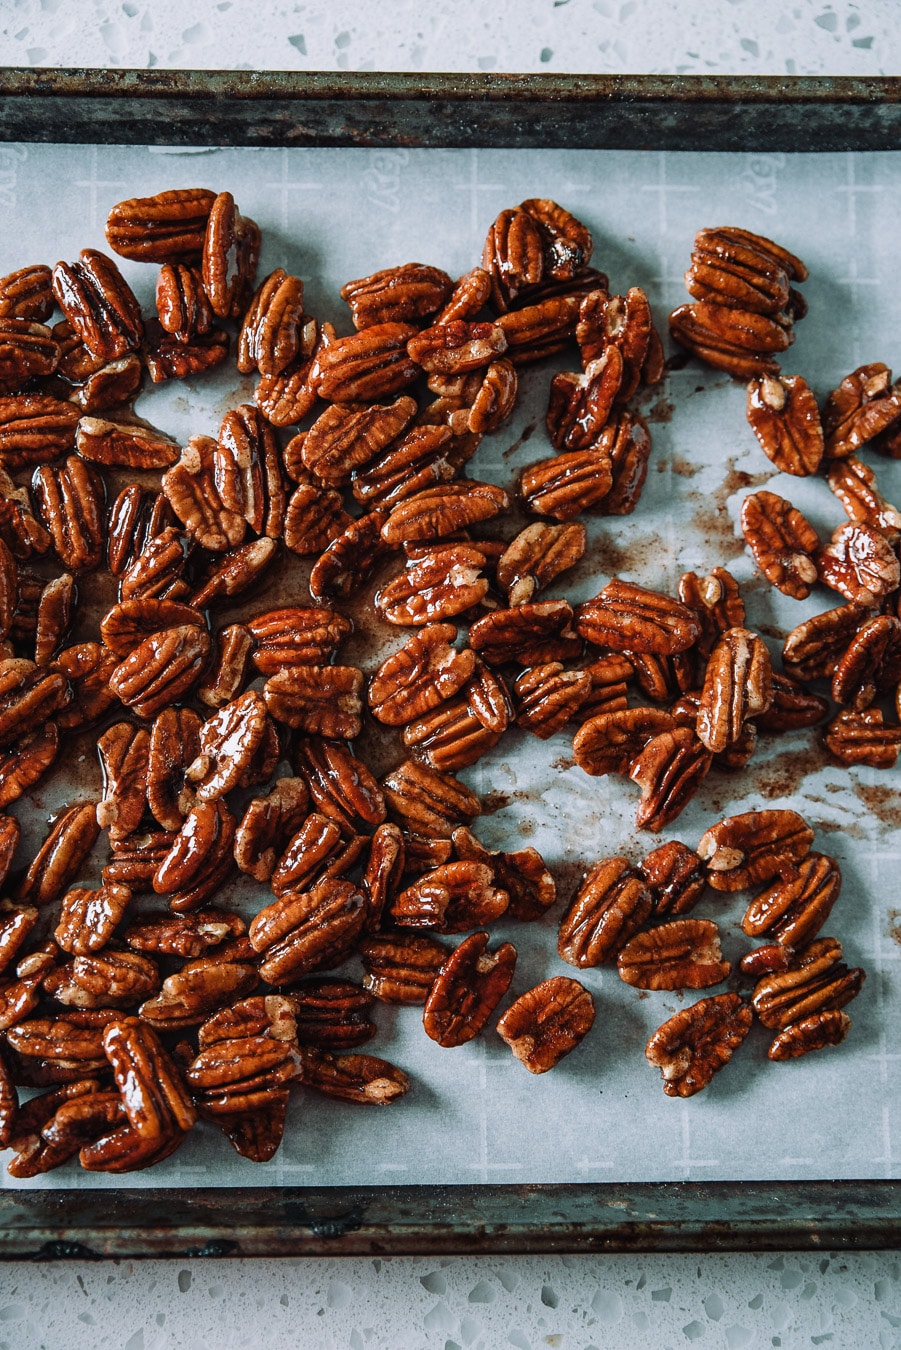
(474,1113)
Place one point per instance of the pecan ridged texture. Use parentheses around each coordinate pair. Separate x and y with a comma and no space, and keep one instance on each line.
(162,669)
(468,987)
(99,304)
(784,544)
(683,954)
(547,1022)
(167,227)
(70,503)
(753,847)
(609,907)
(627,618)
(697,1042)
(737,685)
(783,414)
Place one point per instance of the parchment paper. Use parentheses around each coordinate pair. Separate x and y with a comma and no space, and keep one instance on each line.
(474,1113)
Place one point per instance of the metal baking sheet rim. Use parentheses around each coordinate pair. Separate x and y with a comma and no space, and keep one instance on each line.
(279,108)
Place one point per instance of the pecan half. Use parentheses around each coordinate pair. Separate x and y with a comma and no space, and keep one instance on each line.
(332,1013)
(27,293)
(793,707)
(437,512)
(676,877)
(267,825)
(538,555)
(205,838)
(227,744)
(397,295)
(443,582)
(737,685)
(609,742)
(174,743)
(816,646)
(124,752)
(162,228)
(368,366)
(669,771)
(419,459)
(529,634)
(547,1022)
(314,518)
(271,335)
(314,852)
(627,617)
(609,907)
(320,700)
(784,416)
(547,697)
(697,1042)
(190,486)
(231,247)
(451,899)
(854,483)
(347,436)
(859,563)
(513,256)
(738,341)
(296,637)
(684,954)
(88,918)
(128,624)
(523,875)
(419,676)
(184,935)
(427,802)
(401,967)
(127,445)
(162,669)
(60,857)
(816,981)
(230,667)
(783,542)
(54,617)
(354,1078)
(810,1033)
(168,358)
(99,304)
(290,395)
(863,738)
(457,347)
(871,663)
(247,472)
(793,909)
(467,989)
(104,979)
(564,485)
(181,302)
(199,988)
(864,405)
(308,931)
(753,847)
(35,428)
(70,503)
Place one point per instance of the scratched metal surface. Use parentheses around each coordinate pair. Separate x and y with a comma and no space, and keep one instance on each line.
(474,1114)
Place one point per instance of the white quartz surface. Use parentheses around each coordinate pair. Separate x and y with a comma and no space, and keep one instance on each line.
(570,1303)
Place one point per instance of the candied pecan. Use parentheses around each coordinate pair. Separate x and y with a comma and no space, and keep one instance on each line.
(816,981)
(467,989)
(541,329)
(353,1078)
(16,924)
(871,663)
(69,1046)
(205,836)
(227,743)
(621,323)
(54,617)
(199,988)
(783,414)
(548,697)
(426,801)
(164,228)
(854,483)
(523,875)
(247,470)
(419,459)
(690,1047)
(315,517)
(816,646)
(684,954)
(59,859)
(162,669)
(730,270)
(27,293)
(104,979)
(35,428)
(717,602)
(370,365)
(863,738)
(567,242)
(859,563)
(24,763)
(783,542)
(191,488)
(437,512)
(233,572)
(245,1065)
(87,667)
(382,874)
(296,637)
(315,851)
(26,349)
(129,445)
(52,1128)
(738,341)
(513,256)
(130,622)
(124,752)
(441,583)
(99,304)
(451,899)
(737,685)
(609,907)
(10,831)
(308,931)
(457,347)
(290,395)
(793,707)
(88,918)
(528,634)
(70,502)
(580,404)
(668,769)
(397,295)
(157,569)
(755,846)
(319,700)
(231,247)
(538,555)
(401,967)
(565,485)
(810,1033)
(630,618)
(547,1022)
(169,359)
(419,676)
(454,734)
(20,531)
(135,859)
(675,876)
(608,682)
(865,404)
(185,935)
(794,907)
(267,825)
(470,294)
(766,960)
(271,334)
(348,436)
(609,742)
(230,666)
(181,302)
(332,1013)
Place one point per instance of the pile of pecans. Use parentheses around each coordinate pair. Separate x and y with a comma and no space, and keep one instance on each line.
(224,737)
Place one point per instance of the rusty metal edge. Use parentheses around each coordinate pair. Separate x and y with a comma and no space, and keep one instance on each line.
(390,109)
(309,1221)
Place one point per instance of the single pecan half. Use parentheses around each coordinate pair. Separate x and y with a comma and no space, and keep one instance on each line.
(783,542)
(419,676)
(127,445)
(89,917)
(784,416)
(669,769)
(35,428)
(467,989)
(738,271)
(441,583)
(314,852)
(404,294)
(609,742)
(810,1033)
(529,634)
(163,228)
(308,931)
(793,908)
(538,555)
(697,1042)
(451,899)
(174,743)
(547,697)
(630,618)
(161,669)
(864,405)
(332,1013)
(296,637)
(168,358)
(815,647)
(437,512)
(863,738)
(231,248)
(513,256)
(401,967)
(365,1079)
(565,485)
(99,304)
(737,685)
(609,907)
(124,752)
(854,483)
(58,861)
(547,1022)
(70,503)
(817,980)
(738,341)
(271,335)
(676,877)
(184,935)
(27,293)
(181,302)
(425,801)
(190,486)
(320,700)
(870,664)
(753,847)
(859,563)
(229,669)
(247,471)
(684,954)
(199,988)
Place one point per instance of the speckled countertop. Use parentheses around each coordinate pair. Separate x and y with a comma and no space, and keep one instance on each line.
(569,1303)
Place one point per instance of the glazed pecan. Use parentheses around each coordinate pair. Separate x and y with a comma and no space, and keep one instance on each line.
(128,445)
(202,843)
(564,485)
(425,801)
(864,405)
(419,676)
(56,609)
(580,404)
(620,323)
(870,664)
(247,472)
(68,1046)
(547,1022)
(541,329)
(51,1129)
(24,763)
(793,909)
(190,486)
(383,872)
(523,875)
(793,707)
(162,669)
(513,256)
(470,294)
(332,1013)
(267,825)
(816,646)
(783,413)
(863,738)
(538,555)
(199,988)
(227,744)
(230,667)
(296,637)
(287,398)
(630,618)
(401,967)
(231,248)
(467,989)
(271,334)
(70,503)
(783,542)
(609,742)
(314,518)
(88,918)
(437,512)
(441,583)
(347,436)
(608,683)
(27,293)
(60,857)
(164,228)
(353,1078)
(124,752)
(810,1033)
(174,744)
(738,341)
(184,935)
(319,700)
(609,907)
(457,733)
(737,685)
(181,302)
(370,365)
(131,622)
(675,876)
(169,359)
(697,1042)
(684,954)
(134,860)
(547,697)
(859,563)
(308,931)
(20,531)
(35,428)
(419,459)
(529,634)
(450,898)
(753,847)
(16,924)
(717,601)
(136,516)
(104,979)
(457,347)
(26,349)
(816,981)
(404,294)
(668,769)
(739,271)
(854,483)
(628,441)
(99,304)
(314,852)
